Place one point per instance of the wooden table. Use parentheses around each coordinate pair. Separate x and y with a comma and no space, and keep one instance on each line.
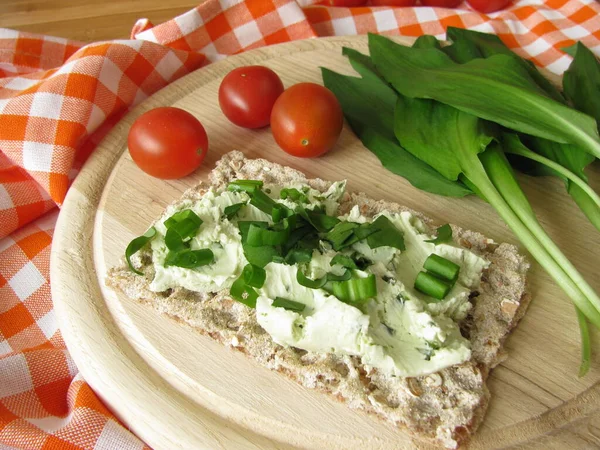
(89,20)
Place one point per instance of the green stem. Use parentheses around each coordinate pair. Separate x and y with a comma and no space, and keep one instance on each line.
(502,177)
(521,151)
(585,203)
(474,170)
(589,144)
(586,346)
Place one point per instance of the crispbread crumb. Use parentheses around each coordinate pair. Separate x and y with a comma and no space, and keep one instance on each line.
(445,408)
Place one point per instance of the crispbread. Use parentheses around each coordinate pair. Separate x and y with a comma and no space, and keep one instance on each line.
(444,408)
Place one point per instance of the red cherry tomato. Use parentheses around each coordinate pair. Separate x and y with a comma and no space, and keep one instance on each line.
(347,3)
(393,2)
(167,142)
(442,3)
(247,95)
(306,120)
(488,6)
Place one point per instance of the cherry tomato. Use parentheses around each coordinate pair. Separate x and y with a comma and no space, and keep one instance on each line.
(442,3)
(247,95)
(393,2)
(306,120)
(167,142)
(347,3)
(488,6)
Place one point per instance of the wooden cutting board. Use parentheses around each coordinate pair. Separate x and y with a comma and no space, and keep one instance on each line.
(176,389)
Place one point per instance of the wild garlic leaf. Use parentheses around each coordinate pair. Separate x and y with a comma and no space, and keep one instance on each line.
(498,89)
(397,160)
(368,104)
(585,203)
(368,101)
(581,81)
(363,64)
(438,134)
(570,157)
(468,45)
(444,234)
(427,41)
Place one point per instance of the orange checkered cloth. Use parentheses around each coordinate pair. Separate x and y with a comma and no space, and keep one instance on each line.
(58,98)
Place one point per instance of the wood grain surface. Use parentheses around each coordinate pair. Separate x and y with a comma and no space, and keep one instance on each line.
(89,20)
(177,389)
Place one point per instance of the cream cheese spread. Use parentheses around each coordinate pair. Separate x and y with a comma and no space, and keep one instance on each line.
(400,332)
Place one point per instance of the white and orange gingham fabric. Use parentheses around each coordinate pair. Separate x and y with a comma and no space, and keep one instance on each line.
(58,98)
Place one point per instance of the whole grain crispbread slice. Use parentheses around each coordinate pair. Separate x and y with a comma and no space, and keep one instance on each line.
(444,408)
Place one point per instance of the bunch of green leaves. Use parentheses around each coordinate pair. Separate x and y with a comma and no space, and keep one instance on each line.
(532,154)
(293,234)
(451,113)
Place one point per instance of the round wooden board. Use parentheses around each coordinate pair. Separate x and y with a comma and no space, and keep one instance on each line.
(177,389)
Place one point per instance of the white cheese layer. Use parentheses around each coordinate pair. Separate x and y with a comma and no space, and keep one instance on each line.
(401,332)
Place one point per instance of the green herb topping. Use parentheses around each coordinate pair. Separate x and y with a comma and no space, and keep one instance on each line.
(136,245)
(444,234)
(290,305)
(431,285)
(441,267)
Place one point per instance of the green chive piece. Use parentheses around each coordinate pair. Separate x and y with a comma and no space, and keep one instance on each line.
(181,226)
(136,245)
(431,285)
(303,280)
(262,201)
(243,293)
(294,195)
(318,219)
(444,234)
(248,186)
(355,291)
(290,305)
(244,226)
(344,261)
(382,232)
(230,211)
(303,233)
(180,216)
(280,212)
(322,222)
(243,290)
(340,233)
(173,240)
(254,276)
(386,234)
(343,277)
(258,237)
(259,256)
(190,259)
(301,244)
(187,228)
(287,223)
(363,231)
(298,256)
(442,268)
